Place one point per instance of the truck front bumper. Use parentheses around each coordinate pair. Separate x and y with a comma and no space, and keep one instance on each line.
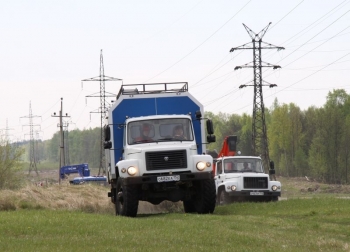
(157,179)
(255,193)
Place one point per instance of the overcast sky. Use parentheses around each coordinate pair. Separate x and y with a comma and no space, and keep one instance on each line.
(47,47)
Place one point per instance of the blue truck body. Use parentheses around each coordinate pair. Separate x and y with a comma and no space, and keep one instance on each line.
(151,104)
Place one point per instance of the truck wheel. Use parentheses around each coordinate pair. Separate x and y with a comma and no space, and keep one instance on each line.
(223,198)
(189,206)
(205,199)
(127,201)
(274,198)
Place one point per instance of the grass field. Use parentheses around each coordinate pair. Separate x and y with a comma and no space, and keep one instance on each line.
(81,218)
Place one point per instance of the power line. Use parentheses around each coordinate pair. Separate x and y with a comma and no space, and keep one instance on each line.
(200,43)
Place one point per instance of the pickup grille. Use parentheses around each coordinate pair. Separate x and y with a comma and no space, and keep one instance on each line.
(255,183)
(161,160)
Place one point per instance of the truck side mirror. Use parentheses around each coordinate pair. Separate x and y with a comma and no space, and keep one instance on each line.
(107,131)
(107,145)
(211,139)
(198,114)
(272,168)
(210,130)
(210,127)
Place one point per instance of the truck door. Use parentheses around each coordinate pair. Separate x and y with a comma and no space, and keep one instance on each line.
(218,174)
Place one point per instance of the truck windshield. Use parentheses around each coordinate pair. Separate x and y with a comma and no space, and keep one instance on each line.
(160,130)
(243,165)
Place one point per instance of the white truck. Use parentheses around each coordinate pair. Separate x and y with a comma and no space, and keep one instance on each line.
(146,156)
(242,178)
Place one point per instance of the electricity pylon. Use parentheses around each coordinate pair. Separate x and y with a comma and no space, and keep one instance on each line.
(7,129)
(259,131)
(102,109)
(32,165)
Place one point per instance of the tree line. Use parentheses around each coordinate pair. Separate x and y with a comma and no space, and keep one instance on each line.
(313,142)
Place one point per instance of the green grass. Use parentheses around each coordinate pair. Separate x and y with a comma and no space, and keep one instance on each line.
(319,224)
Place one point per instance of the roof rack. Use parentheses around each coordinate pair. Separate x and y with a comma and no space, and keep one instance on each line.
(153,88)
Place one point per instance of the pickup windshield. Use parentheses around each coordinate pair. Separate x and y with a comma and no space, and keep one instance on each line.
(159,130)
(232,165)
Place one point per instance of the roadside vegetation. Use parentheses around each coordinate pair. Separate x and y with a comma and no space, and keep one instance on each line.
(10,165)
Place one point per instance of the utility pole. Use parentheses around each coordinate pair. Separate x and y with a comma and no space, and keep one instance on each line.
(259,131)
(62,158)
(66,142)
(32,154)
(102,109)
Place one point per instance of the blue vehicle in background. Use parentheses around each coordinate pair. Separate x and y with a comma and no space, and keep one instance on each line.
(90,179)
(82,169)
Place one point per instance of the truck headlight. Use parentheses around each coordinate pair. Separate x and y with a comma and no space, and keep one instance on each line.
(201,165)
(232,188)
(274,188)
(132,170)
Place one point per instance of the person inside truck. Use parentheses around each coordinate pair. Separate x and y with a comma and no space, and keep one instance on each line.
(229,167)
(179,133)
(145,135)
(246,166)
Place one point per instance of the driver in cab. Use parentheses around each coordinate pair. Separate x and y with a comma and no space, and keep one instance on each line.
(144,133)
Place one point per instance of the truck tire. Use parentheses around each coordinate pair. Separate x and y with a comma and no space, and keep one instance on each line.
(274,198)
(127,201)
(223,197)
(189,206)
(205,199)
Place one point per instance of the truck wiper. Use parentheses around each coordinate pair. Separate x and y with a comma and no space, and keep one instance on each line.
(165,139)
(170,139)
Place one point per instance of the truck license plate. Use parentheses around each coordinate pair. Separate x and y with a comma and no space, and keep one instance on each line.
(168,178)
(256,193)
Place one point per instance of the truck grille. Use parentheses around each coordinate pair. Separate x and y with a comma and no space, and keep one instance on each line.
(161,160)
(255,183)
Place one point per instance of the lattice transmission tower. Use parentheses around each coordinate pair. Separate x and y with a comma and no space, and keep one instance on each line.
(102,78)
(32,149)
(259,131)
(6,135)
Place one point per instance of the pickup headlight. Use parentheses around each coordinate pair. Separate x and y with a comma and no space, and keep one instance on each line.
(132,170)
(233,188)
(201,165)
(274,188)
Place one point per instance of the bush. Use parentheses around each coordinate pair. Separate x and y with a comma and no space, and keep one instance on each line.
(10,164)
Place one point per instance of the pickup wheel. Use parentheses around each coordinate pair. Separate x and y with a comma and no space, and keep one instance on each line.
(127,202)
(205,198)
(223,198)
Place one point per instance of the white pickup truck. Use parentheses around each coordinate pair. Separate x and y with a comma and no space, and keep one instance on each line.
(242,178)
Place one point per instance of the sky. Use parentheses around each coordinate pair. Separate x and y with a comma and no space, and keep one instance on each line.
(48,47)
